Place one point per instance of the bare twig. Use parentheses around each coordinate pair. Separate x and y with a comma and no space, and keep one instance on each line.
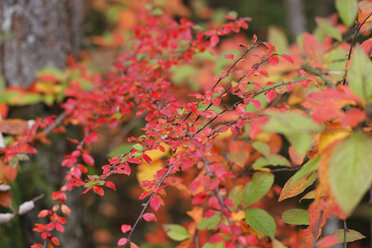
(345,231)
(353,42)
(148,201)
(58,121)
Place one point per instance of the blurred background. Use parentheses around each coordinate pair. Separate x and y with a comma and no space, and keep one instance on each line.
(43,37)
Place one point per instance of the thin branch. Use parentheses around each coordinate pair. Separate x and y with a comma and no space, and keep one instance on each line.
(58,121)
(148,201)
(345,231)
(317,230)
(318,73)
(353,42)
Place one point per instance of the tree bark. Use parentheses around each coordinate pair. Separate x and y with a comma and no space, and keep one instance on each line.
(35,34)
(296,19)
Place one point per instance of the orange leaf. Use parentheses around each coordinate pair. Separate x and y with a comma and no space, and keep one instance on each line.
(13,126)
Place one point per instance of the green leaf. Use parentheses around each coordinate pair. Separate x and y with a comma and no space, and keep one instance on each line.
(30,98)
(261,147)
(350,169)
(328,28)
(210,245)
(297,128)
(260,221)
(300,181)
(296,217)
(138,147)
(272,160)
(176,232)
(306,169)
(348,11)
(157,12)
(258,187)
(278,244)
(91,183)
(236,195)
(209,223)
(360,74)
(351,235)
(278,38)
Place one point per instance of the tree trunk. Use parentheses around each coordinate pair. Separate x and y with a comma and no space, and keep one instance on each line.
(296,19)
(35,34)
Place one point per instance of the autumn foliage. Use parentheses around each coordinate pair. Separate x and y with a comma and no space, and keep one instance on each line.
(224,115)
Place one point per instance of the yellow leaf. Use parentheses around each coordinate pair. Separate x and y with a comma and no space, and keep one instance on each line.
(238,216)
(328,137)
(146,172)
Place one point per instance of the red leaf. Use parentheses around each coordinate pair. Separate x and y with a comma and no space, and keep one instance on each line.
(270,46)
(98,190)
(122,241)
(254,38)
(147,158)
(60,228)
(273,60)
(270,95)
(55,241)
(367,46)
(288,58)
(155,203)
(214,40)
(216,238)
(312,47)
(36,245)
(125,228)
(134,160)
(256,103)
(229,56)
(149,217)
(353,117)
(216,102)
(43,213)
(88,159)
(110,185)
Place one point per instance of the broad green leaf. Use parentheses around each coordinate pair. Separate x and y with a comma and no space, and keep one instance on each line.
(260,221)
(278,38)
(138,147)
(278,244)
(210,245)
(209,223)
(348,10)
(301,180)
(91,183)
(351,235)
(360,74)
(350,169)
(296,216)
(306,169)
(328,28)
(297,128)
(236,195)
(261,147)
(176,232)
(29,99)
(257,188)
(272,160)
